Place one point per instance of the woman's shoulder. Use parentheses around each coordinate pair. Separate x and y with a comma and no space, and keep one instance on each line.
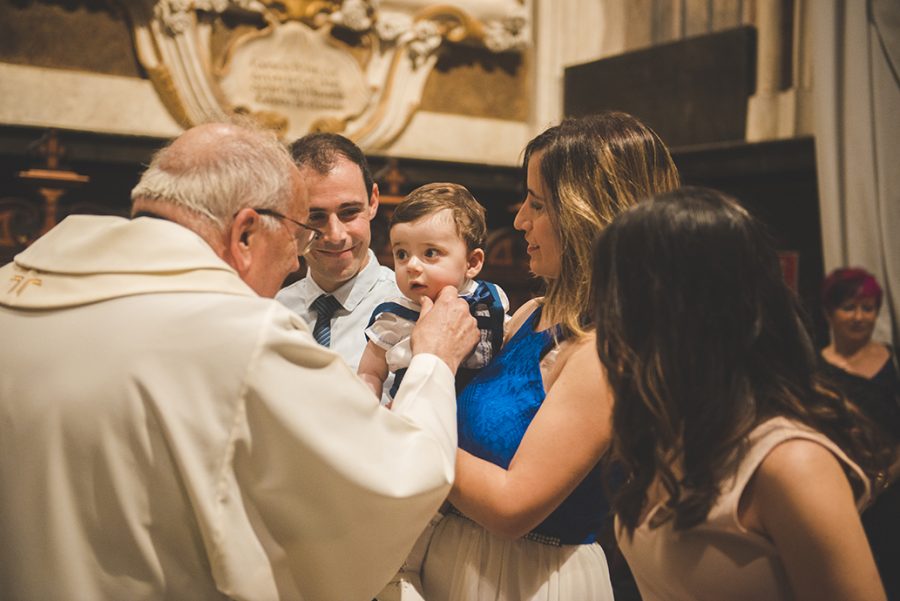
(866,363)
(521,315)
(775,430)
(779,431)
(578,358)
(881,352)
(787,468)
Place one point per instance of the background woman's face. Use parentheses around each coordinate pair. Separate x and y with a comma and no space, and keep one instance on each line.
(854,319)
(544,249)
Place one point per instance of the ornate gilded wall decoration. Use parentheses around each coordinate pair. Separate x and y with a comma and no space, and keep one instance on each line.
(357,67)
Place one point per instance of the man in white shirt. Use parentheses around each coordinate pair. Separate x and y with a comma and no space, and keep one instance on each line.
(168,433)
(343,200)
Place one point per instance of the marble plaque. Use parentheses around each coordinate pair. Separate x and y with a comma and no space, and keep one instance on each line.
(298,73)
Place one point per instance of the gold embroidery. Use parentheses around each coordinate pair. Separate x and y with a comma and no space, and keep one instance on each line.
(20,283)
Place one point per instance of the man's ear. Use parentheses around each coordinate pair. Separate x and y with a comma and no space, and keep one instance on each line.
(242,235)
(474,263)
(373,202)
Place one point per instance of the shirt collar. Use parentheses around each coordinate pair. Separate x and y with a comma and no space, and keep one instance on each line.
(468,288)
(353,291)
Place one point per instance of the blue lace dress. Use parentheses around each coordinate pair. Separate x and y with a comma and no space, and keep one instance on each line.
(560,559)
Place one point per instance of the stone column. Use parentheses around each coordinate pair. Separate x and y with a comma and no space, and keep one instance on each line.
(762,111)
(567,33)
(777,111)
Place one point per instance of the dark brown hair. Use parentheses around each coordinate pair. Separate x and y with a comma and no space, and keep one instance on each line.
(703,341)
(320,152)
(468,215)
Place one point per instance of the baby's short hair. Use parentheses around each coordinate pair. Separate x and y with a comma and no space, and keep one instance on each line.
(468,214)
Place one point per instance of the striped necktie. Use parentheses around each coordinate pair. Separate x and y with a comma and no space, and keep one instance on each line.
(325,307)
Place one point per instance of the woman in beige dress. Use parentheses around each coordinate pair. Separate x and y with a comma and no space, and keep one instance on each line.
(744,476)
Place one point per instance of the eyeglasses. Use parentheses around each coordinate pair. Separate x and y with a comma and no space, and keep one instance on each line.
(305,234)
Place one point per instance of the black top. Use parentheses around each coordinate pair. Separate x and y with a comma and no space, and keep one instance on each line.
(878,397)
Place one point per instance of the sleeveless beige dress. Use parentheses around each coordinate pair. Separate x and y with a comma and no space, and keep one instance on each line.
(720,559)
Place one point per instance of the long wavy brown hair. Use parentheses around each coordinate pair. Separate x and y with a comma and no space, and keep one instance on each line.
(702,341)
(593,167)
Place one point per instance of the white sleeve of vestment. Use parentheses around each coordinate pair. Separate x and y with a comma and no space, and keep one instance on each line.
(341,486)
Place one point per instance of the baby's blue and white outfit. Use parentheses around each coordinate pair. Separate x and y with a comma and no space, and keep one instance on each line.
(392,323)
(390,328)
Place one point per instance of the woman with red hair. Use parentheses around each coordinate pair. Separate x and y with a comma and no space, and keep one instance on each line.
(867,373)
(851,298)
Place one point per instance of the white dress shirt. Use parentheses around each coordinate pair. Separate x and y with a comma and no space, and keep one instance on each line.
(373,285)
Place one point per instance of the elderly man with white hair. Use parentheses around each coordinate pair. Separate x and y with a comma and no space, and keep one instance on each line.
(167,432)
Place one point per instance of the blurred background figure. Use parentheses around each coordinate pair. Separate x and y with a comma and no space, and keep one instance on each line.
(866,371)
(864,368)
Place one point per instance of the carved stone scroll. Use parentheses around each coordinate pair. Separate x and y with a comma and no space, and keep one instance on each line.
(295,74)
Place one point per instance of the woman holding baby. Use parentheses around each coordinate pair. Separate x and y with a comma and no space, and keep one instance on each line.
(528,503)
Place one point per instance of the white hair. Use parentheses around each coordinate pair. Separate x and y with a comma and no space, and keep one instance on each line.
(217,169)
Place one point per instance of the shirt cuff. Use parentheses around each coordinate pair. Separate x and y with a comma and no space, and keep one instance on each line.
(433,363)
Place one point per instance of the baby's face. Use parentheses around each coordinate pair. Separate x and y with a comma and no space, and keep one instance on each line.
(429,254)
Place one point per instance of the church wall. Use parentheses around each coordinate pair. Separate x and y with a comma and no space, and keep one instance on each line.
(79,67)
(75,67)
